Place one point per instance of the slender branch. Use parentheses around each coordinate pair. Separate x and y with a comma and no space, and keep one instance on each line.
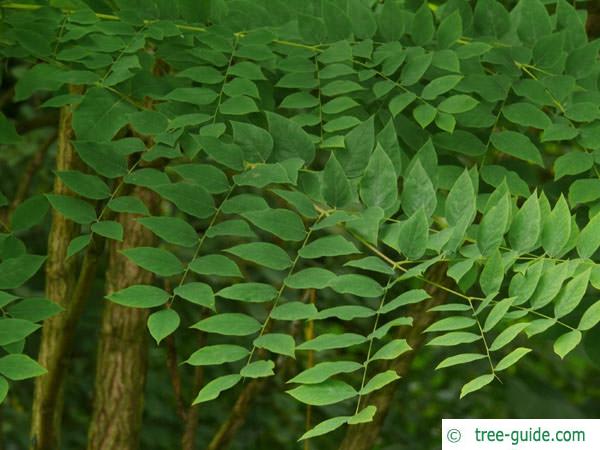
(32,167)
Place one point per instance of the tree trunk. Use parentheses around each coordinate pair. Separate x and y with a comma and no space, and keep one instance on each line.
(61,277)
(122,352)
(364,436)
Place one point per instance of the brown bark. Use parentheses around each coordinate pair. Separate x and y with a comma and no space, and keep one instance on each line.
(364,436)
(593,19)
(63,287)
(122,352)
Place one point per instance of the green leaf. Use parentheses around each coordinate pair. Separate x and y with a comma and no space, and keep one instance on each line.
(89,186)
(263,254)
(108,229)
(424,114)
(550,282)
(533,21)
(215,265)
(229,324)
(456,360)
(497,313)
(197,293)
(15,272)
(517,145)
(415,68)
(422,27)
(372,264)
(207,176)
(325,370)
(400,102)
(289,139)
(418,191)
(407,298)
(491,18)
(172,230)
(192,95)
(3,389)
(15,330)
(454,338)
(526,226)
(258,369)
(213,389)
(378,186)
(279,343)
(100,115)
(34,309)
(413,235)
(20,367)
(325,393)
(359,144)
(588,240)
(567,342)
(507,336)
(155,260)
(492,274)
(103,158)
(460,209)
(590,317)
(29,213)
(572,294)
(238,106)
(476,384)
(358,285)
(148,122)
(189,198)
(328,246)
(324,427)
(440,86)
(332,341)
(527,115)
(512,358)
(8,134)
(572,163)
(451,324)
(283,223)
(493,225)
(78,244)
(249,292)
(362,19)
(391,350)
(163,323)
(345,312)
(457,104)
(128,204)
(557,228)
(234,227)
(217,354)
(336,187)
(311,278)
(226,154)
(294,311)
(140,296)
(379,381)
(73,208)
(584,191)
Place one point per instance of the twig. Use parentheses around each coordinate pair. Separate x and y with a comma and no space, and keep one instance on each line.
(32,167)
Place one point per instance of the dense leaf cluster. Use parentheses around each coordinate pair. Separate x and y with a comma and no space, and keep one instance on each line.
(334,154)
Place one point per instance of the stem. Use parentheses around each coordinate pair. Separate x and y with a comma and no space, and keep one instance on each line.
(280,292)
